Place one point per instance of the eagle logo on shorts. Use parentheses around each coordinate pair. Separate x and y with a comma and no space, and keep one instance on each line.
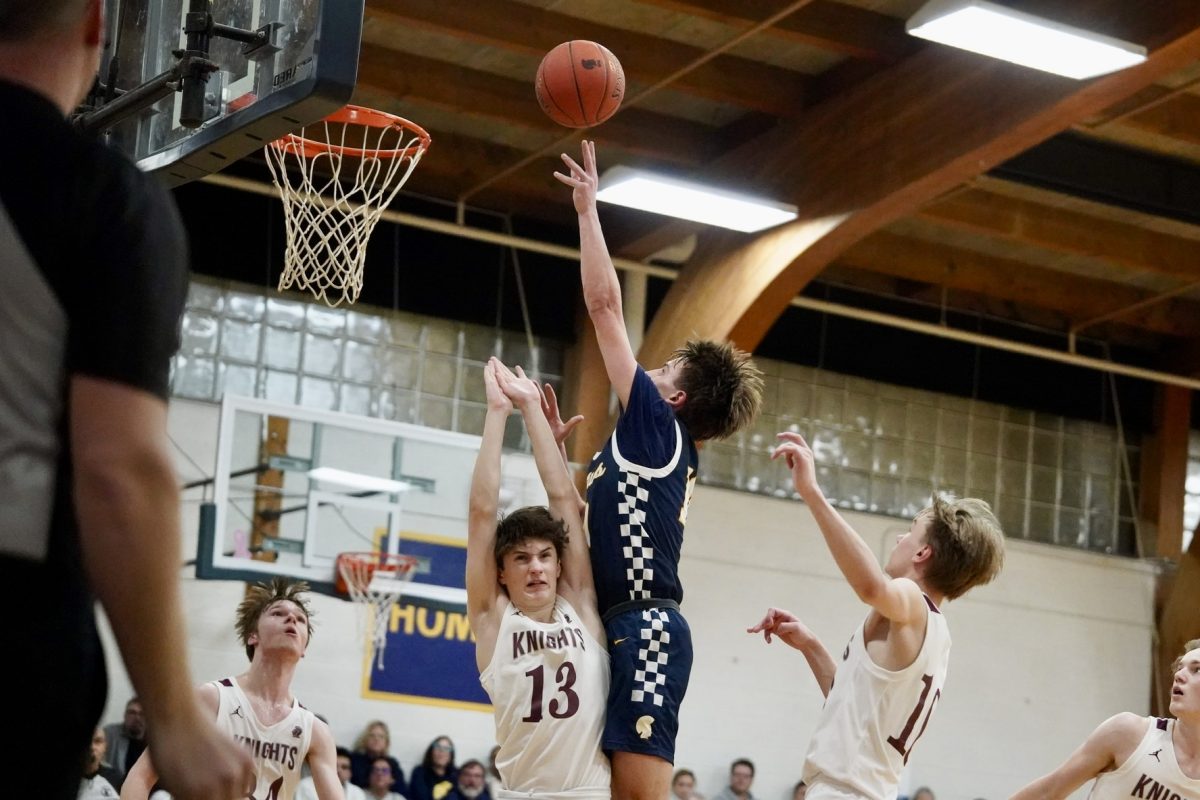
(296,731)
(643,726)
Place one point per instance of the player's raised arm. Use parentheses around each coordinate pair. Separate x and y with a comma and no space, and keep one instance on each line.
(601,289)
(561,431)
(1107,746)
(898,599)
(322,762)
(576,580)
(787,627)
(482,586)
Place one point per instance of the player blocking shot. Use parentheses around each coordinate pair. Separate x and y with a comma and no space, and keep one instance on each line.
(881,696)
(1129,755)
(639,487)
(532,607)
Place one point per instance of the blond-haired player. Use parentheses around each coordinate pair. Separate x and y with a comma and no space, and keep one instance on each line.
(532,606)
(257,708)
(1135,756)
(881,696)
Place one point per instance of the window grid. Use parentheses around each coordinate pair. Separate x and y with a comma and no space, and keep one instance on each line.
(390,365)
(879,448)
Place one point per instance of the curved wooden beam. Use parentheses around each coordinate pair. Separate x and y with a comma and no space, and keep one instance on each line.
(884,149)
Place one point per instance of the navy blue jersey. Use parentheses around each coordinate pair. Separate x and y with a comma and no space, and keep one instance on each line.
(638,490)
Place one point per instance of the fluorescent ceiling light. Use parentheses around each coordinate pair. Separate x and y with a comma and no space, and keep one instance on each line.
(635,188)
(356,480)
(1032,41)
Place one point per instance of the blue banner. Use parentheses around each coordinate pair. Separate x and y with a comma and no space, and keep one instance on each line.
(430,653)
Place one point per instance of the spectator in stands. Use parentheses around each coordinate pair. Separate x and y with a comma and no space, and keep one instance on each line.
(126,739)
(741,775)
(307,790)
(98,778)
(471,783)
(374,742)
(493,774)
(683,785)
(433,778)
(380,785)
(923,793)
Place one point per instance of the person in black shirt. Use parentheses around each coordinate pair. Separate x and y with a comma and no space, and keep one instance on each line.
(94,274)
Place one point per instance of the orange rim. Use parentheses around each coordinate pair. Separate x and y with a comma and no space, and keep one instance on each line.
(366,117)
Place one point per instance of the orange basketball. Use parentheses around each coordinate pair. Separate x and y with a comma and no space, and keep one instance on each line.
(580,84)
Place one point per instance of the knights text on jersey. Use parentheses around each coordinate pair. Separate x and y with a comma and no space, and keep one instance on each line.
(1151,771)
(873,717)
(549,683)
(278,750)
(638,490)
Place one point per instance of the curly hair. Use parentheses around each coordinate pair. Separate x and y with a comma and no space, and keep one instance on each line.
(724,389)
(262,596)
(967,542)
(530,522)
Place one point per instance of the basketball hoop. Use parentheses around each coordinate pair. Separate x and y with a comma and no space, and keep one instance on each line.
(328,215)
(375,580)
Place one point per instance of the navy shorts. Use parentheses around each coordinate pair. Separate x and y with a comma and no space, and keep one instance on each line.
(650,651)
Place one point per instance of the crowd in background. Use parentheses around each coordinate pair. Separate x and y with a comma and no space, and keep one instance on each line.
(369,771)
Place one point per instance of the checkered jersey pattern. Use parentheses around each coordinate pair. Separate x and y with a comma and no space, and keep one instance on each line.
(652,658)
(639,554)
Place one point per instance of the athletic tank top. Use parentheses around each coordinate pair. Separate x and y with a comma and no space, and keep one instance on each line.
(873,716)
(1151,771)
(278,750)
(549,686)
(638,489)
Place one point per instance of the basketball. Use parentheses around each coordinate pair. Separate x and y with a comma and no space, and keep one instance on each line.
(580,84)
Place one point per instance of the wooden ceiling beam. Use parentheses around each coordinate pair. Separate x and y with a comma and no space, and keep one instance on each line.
(885,148)
(645,58)
(512,102)
(826,25)
(1176,118)
(1017,220)
(1008,280)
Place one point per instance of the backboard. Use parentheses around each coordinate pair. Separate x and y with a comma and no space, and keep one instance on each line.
(303,68)
(296,486)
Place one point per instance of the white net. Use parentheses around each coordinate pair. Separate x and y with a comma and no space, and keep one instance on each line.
(376,581)
(336,177)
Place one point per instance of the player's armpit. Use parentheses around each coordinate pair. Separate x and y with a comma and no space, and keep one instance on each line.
(1110,744)
(899,599)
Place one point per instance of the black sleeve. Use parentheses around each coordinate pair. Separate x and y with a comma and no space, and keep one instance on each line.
(130,282)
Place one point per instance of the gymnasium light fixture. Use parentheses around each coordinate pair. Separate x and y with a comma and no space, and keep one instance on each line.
(647,191)
(356,480)
(993,30)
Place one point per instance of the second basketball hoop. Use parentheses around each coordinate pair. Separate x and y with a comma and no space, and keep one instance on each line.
(335,178)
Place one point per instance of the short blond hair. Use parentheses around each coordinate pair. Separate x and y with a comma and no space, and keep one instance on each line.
(1187,648)
(967,542)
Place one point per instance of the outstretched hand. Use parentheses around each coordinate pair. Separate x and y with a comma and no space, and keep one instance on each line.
(560,429)
(522,390)
(497,400)
(800,460)
(785,625)
(583,180)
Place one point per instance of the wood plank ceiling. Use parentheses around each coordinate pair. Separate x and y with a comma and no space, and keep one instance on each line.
(885,143)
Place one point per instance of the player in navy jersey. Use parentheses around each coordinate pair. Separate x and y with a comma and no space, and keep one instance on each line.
(638,490)
(1134,756)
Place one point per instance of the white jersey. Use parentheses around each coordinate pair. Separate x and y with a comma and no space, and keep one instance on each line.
(549,688)
(1151,771)
(278,750)
(873,717)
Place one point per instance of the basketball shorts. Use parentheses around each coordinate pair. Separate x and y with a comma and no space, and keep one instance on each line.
(650,652)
